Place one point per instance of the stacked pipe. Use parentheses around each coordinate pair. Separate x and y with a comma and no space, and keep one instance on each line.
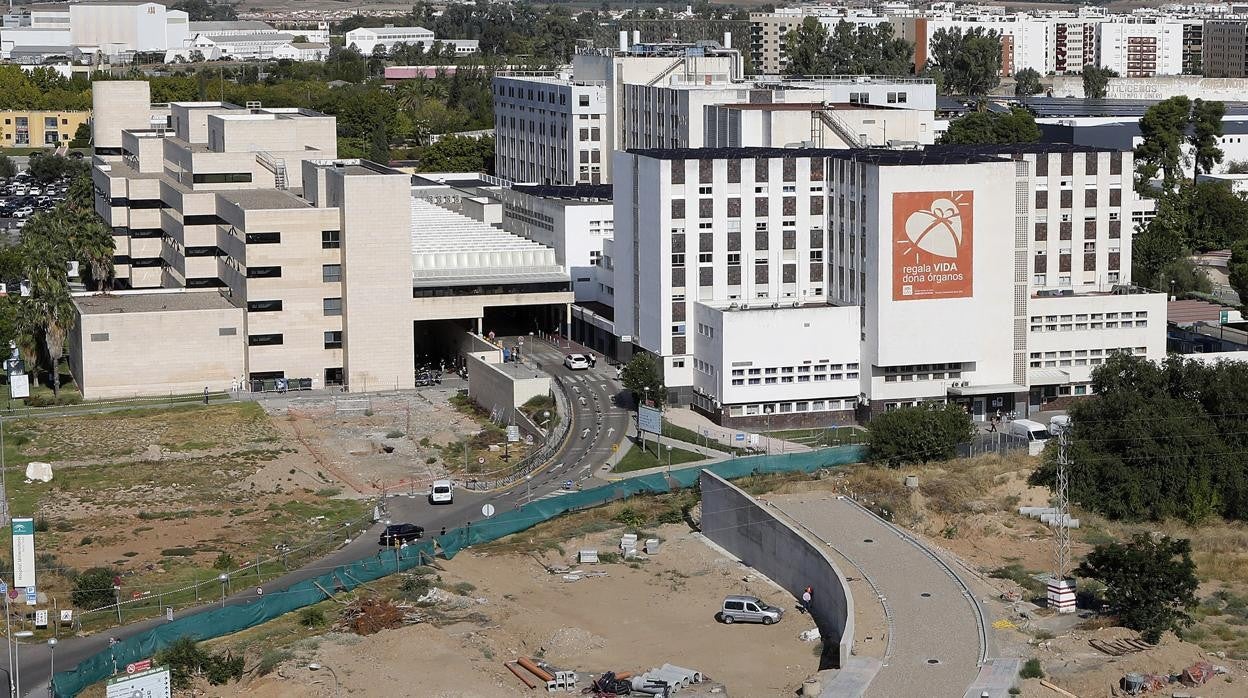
(666,680)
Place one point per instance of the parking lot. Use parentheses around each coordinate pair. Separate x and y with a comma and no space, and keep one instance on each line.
(23,197)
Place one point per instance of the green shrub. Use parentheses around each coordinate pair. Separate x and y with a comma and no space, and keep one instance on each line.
(94,588)
(312,617)
(186,660)
(630,517)
(224,561)
(1031,669)
(271,659)
(394,434)
(41,525)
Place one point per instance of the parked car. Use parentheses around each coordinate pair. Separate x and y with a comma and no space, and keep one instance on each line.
(400,533)
(442,492)
(749,609)
(576,362)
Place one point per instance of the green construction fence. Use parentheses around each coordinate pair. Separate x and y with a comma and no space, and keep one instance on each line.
(213,623)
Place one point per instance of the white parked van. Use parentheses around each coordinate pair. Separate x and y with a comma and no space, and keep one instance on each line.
(442,492)
(1035,433)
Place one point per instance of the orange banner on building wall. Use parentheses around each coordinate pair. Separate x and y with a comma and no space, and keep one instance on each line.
(932,244)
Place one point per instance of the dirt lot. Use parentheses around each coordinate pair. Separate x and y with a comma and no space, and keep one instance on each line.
(401,441)
(633,617)
(969,509)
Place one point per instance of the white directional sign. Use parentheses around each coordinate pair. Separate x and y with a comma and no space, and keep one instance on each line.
(487,510)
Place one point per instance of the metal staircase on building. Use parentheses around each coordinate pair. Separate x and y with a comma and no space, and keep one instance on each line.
(275,165)
(837,126)
(666,72)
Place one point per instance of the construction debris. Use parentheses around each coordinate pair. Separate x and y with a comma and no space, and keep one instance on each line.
(1117,648)
(587,557)
(1197,674)
(666,680)
(809,635)
(610,684)
(370,615)
(555,681)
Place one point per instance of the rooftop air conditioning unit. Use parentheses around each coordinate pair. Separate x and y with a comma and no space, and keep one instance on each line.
(734,305)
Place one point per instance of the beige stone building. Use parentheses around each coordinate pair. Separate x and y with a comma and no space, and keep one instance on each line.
(342,273)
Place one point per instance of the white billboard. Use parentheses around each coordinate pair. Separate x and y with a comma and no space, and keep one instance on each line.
(649,419)
(152,683)
(23,552)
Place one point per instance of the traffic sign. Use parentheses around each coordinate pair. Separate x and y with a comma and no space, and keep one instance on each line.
(4,588)
(487,510)
(13,593)
(32,597)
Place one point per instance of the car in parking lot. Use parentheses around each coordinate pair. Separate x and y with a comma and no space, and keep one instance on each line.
(396,534)
(576,362)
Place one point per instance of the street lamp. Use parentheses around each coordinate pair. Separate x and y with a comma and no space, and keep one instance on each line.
(17,664)
(317,667)
(225,579)
(52,666)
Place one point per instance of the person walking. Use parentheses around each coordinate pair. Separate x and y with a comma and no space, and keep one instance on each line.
(807,598)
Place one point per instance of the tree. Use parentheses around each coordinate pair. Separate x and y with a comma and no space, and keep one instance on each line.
(643,376)
(1206,123)
(1237,167)
(1237,271)
(918,434)
(206,10)
(967,63)
(1163,239)
(1149,584)
(1218,216)
(82,136)
(1162,130)
(1096,81)
(458,154)
(47,168)
(7,169)
(1160,440)
(866,50)
(1027,83)
(94,588)
(1016,126)
(48,315)
(806,49)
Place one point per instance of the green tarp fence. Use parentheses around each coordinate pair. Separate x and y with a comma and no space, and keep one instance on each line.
(231,619)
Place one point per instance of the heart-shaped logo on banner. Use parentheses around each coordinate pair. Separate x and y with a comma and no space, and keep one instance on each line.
(937,230)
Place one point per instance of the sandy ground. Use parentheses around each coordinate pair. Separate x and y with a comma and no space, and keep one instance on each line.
(630,619)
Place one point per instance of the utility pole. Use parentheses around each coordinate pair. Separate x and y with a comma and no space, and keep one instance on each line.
(1061,588)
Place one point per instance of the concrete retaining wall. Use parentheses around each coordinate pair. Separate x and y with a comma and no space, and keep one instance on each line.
(748,529)
(502,388)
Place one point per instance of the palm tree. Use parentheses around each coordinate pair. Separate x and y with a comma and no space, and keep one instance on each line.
(95,252)
(48,315)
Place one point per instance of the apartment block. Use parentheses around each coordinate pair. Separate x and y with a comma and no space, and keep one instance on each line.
(39,129)
(343,271)
(1225,49)
(1141,47)
(769,29)
(808,286)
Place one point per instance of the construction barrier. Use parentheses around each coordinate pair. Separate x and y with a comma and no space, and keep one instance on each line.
(217,622)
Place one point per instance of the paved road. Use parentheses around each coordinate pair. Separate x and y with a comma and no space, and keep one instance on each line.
(577,460)
(935,636)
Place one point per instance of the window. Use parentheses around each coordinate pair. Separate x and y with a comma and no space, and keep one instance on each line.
(583,100)
(222,178)
(331,273)
(332,306)
(333,339)
(264,272)
(263,238)
(263,306)
(263,340)
(331,239)
(678,259)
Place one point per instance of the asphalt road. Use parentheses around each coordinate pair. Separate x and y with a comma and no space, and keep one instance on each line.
(578,460)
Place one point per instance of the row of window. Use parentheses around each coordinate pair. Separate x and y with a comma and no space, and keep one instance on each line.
(333,339)
(330,273)
(331,307)
(789,407)
(1079,357)
(822,367)
(804,378)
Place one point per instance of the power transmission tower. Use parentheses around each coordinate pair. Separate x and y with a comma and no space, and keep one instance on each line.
(1061,588)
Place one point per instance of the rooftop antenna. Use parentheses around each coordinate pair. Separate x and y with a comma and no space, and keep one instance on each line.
(1061,587)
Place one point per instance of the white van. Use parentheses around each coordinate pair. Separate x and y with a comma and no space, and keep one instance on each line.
(442,492)
(1035,433)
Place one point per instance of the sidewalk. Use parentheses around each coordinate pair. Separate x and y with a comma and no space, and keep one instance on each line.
(687,418)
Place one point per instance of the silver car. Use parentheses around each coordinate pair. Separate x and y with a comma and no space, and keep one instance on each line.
(749,609)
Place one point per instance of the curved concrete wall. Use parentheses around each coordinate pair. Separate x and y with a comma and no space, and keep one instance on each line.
(741,525)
